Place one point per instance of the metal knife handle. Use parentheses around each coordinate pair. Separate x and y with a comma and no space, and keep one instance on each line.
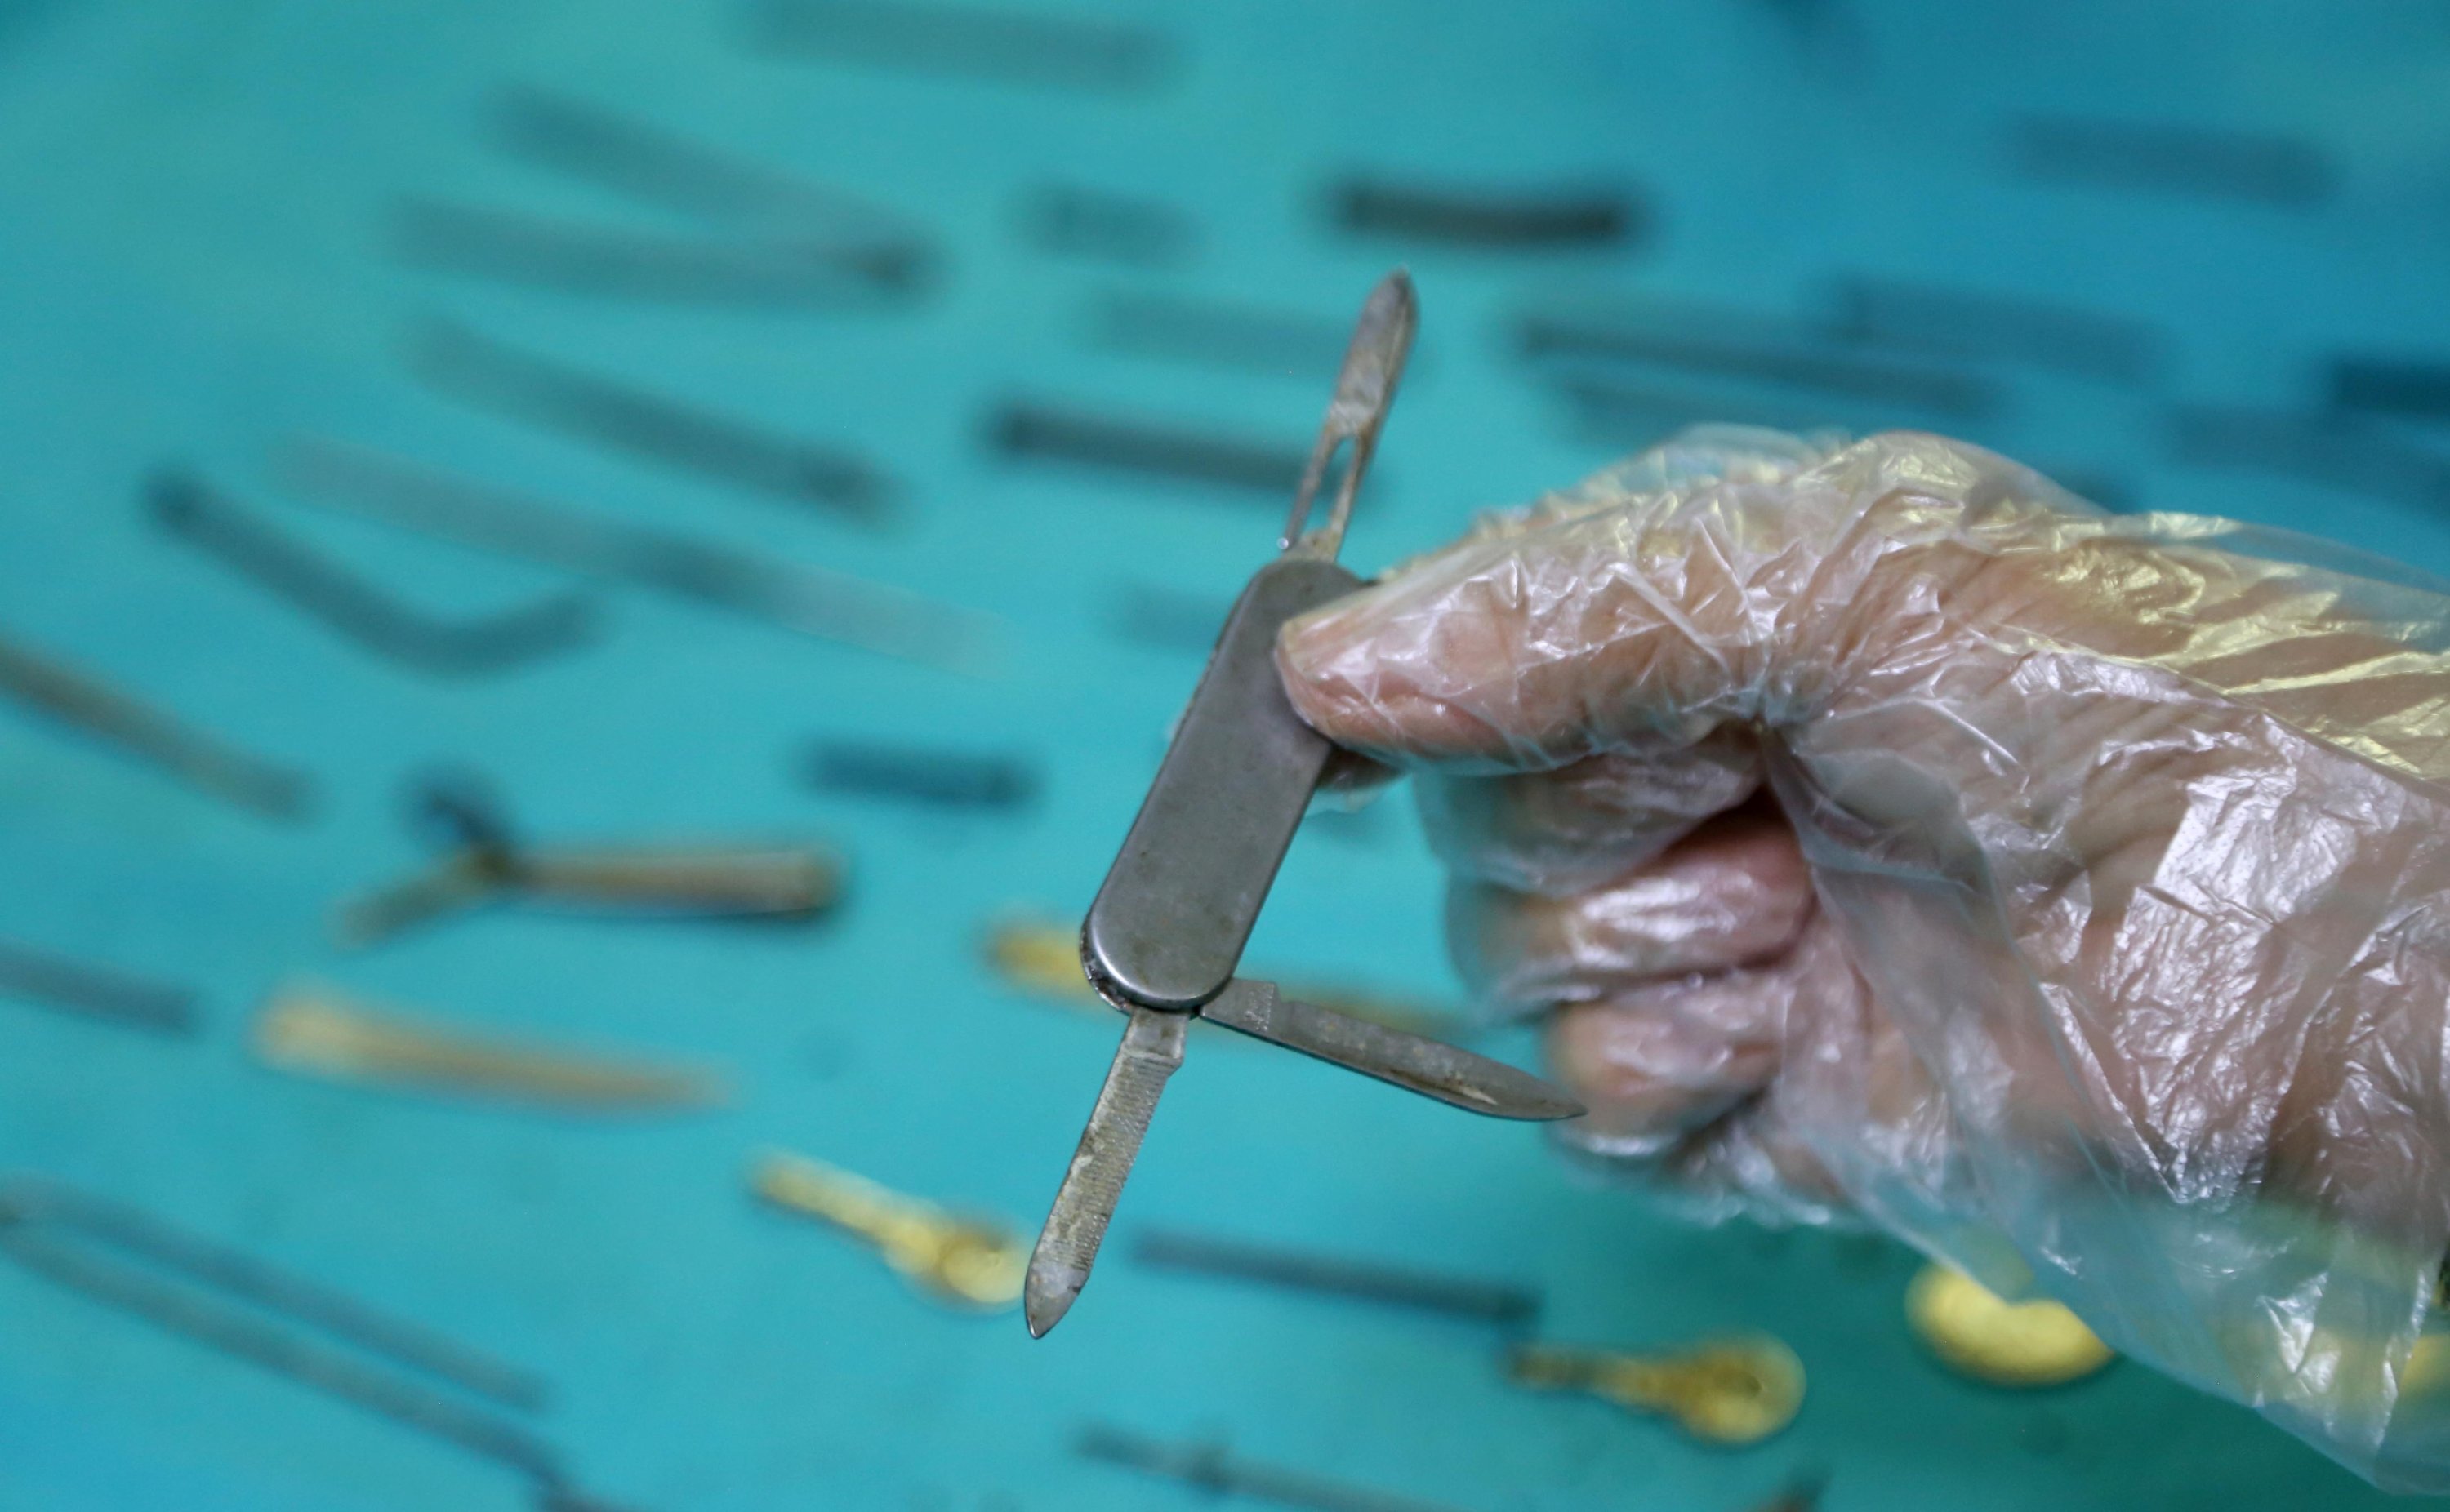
(1169,924)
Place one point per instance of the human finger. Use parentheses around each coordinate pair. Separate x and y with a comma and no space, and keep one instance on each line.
(1734,893)
(1564,831)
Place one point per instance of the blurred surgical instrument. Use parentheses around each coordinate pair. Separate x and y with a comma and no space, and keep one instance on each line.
(161,739)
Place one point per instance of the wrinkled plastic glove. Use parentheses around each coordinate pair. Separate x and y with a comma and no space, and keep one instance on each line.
(1886,833)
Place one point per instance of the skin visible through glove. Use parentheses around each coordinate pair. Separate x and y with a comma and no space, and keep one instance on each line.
(1889,832)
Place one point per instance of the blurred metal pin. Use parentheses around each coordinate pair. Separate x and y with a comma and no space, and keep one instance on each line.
(1727,1391)
(184,505)
(929,775)
(95,992)
(1612,411)
(971,1261)
(775,222)
(611,413)
(1803,1495)
(831,606)
(1366,1281)
(313,1029)
(1015,47)
(2328,449)
(234,1303)
(1515,220)
(572,256)
(1211,1468)
(1027,429)
(561,1497)
(1778,354)
(646,163)
(1068,220)
(189,755)
(2169,158)
(2377,383)
(1977,323)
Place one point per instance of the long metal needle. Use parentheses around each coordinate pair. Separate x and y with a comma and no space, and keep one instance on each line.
(1330,1275)
(607,411)
(831,605)
(1152,1046)
(1210,1467)
(243,1308)
(188,754)
(95,991)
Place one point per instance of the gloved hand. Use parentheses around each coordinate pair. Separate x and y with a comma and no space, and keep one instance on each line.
(1889,833)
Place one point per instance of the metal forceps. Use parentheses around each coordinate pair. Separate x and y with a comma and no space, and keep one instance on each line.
(1169,924)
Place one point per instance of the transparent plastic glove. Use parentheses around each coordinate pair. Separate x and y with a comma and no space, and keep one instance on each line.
(1890,834)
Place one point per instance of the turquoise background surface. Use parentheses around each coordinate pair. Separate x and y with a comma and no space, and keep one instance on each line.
(195,264)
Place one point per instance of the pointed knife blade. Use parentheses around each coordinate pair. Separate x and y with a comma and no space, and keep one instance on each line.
(1429,1067)
(1067,1247)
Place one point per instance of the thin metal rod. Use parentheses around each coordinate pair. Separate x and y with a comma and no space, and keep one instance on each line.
(831,606)
(1459,1296)
(1029,429)
(967,41)
(95,992)
(198,759)
(573,256)
(643,162)
(1071,220)
(202,517)
(1211,1468)
(1531,219)
(941,778)
(611,413)
(60,1236)
(1710,346)
(24,1203)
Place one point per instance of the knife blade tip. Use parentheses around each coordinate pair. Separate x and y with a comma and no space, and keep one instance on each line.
(1048,1294)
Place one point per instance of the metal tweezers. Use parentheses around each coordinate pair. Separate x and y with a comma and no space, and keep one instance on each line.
(1167,930)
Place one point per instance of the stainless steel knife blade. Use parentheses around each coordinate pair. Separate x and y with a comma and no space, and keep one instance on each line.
(1433,1068)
